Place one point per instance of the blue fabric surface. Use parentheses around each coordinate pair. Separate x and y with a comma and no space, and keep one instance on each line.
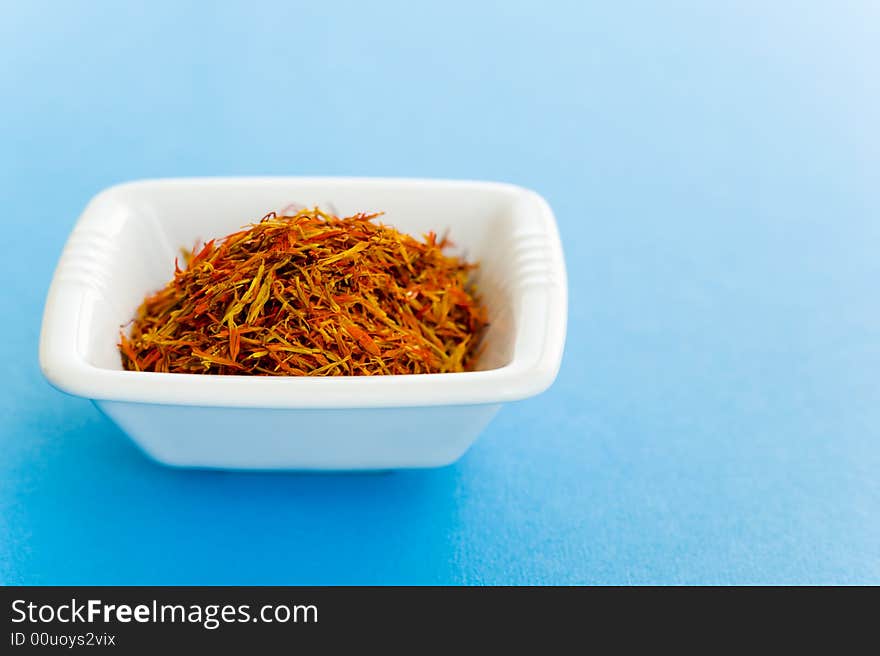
(715,170)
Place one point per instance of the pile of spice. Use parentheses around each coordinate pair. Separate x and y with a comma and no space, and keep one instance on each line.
(311,294)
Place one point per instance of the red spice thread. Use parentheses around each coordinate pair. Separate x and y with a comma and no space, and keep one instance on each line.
(311,294)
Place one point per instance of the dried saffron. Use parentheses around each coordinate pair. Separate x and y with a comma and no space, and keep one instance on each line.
(311,294)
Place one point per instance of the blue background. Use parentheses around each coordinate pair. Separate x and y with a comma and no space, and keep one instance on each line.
(715,170)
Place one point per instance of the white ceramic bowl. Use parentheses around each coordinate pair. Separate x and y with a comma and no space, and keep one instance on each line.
(123,247)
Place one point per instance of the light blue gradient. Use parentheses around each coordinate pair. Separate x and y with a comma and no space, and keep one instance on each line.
(715,170)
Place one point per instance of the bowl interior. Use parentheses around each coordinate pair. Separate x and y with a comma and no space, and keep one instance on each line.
(138,229)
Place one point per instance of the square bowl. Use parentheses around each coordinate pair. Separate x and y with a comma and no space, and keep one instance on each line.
(124,245)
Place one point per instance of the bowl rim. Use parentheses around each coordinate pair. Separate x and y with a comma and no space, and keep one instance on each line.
(532,369)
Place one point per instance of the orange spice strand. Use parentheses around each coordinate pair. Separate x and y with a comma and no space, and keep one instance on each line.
(311,294)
